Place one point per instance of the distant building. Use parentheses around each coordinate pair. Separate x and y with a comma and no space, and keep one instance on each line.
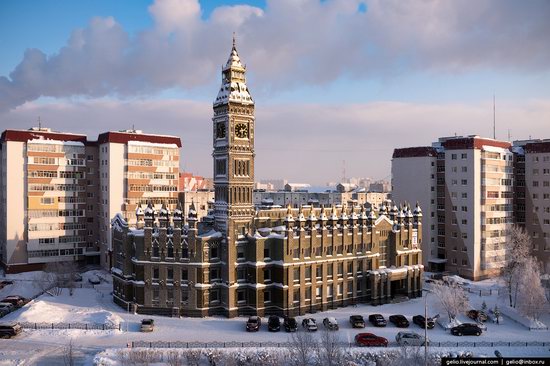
(380,186)
(317,199)
(294,187)
(203,201)
(190,182)
(273,184)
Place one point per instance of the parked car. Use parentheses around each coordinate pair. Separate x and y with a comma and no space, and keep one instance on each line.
(420,321)
(4,311)
(309,324)
(330,323)
(466,329)
(77,277)
(253,324)
(15,300)
(290,324)
(7,305)
(377,320)
(369,339)
(147,325)
(274,323)
(6,282)
(399,321)
(477,315)
(94,280)
(357,321)
(8,330)
(410,339)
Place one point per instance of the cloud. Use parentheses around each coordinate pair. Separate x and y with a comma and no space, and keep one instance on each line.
(287,45)
(298,142)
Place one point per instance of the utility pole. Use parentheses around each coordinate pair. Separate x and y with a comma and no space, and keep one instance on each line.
(494,119)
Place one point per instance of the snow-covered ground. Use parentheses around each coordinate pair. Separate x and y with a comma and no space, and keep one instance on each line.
(95,305)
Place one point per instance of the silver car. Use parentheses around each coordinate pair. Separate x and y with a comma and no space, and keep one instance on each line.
(410,339)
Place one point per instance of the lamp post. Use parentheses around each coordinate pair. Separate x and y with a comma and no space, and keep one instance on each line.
(426,326)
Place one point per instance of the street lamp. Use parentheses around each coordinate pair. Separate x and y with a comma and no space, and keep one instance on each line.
(426,326)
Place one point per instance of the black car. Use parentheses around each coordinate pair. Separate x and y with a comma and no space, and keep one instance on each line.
(377,320)
(253,324)
(290,324)
(399,321)
(10,330)
(274,323)
(357,321)
(466,329)
(419,320)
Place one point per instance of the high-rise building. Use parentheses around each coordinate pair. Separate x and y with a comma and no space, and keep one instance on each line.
(134,169)
(59,191)
(466,186)
(532,194)
(48,199)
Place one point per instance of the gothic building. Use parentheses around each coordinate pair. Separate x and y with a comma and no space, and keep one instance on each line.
(239,261)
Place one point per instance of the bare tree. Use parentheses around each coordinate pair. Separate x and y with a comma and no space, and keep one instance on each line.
(532,300)
(193,356)
(68,354)
(452,298)
(409,356)
(518,247)
(330,351)
(301,349)
(175,358)
(61,275)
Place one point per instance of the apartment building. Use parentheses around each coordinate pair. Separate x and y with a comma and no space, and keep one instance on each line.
(134,169)
(318,199)
(59,191)
(473,204)
(48,195)
(532,194)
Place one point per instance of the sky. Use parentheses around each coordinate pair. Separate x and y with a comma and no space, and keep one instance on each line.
(338,84)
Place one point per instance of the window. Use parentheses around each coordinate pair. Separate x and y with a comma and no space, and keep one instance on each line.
(464,222)
(350,287)
(308,274)
(454,221)
(464,195)
(339,289)
(241,296)
(170,275)
(464,262)
(308,293)
(296,274)
(454,234)
(46,241)
(464,235)
(296,296)
(267,296)
(464,208)
(214,296)
(464,169)
(340,269)
(464,182)
(329,291)
(329,271)
(455,208)
(318,292)
(464,156)
(267,253)
(184,275)
(240,253)
(184,295)
(454,169)
(214,252)
(155,274)
(453,156)
(350,268)
(453,195)
(454,182)
(241,275)
(214,274)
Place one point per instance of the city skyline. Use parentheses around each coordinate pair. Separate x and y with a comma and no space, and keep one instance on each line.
(376,76)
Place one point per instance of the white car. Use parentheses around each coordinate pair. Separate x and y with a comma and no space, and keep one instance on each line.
(410,339)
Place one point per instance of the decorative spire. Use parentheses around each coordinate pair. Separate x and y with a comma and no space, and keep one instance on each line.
(233,88)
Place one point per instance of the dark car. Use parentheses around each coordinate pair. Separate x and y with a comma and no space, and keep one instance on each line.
(147,325)
(15,300)
(466,329)
(369,339)
(477,315)
(330,323)
(357,321)
(377,320)
(309,324)
(274,323)
(253,324)
(419,320)
(290,324)
(10,330)
(399,321)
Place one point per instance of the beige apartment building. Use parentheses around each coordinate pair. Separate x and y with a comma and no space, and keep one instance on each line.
(49,199)
(318,199)
(59,191)
(466,187)
(532,203)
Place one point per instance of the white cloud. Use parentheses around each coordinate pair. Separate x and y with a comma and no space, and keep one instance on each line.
(298,142)
(286,46)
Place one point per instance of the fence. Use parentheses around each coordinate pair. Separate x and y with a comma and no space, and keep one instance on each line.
(489,292)
(82,326)
(180,344)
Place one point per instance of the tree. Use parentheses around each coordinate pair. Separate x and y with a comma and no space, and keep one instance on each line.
(532,300)
(518,247)
(452,298)
(484,306)
(330,351)
(301,348)
(496,311)
(61,275)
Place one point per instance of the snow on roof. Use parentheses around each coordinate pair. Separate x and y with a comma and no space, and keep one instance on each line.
(212,234)
(151,144)
(437,260)
(43,141)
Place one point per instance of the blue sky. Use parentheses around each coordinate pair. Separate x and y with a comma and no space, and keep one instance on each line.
(373,63)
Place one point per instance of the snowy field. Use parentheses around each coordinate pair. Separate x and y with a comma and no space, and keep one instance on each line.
(94,305)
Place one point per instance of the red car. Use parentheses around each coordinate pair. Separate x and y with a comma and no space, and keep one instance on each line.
(370,340)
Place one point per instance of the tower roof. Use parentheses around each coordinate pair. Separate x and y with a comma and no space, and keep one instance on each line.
(234,61)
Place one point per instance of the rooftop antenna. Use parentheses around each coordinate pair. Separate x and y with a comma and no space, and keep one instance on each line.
(39,123)
(494,119)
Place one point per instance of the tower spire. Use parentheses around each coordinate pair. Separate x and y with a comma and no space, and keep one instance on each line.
(234,41)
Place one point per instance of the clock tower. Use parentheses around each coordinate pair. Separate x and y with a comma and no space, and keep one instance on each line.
(233,155)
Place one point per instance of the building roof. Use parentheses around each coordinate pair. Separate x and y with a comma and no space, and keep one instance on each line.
(538,147)
(123,137)
(471,142)
(41,134)
(415,152)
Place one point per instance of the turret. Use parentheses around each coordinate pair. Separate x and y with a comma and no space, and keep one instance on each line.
(139,217)
(192,216)
(178,217)
(164,216)
(149,215)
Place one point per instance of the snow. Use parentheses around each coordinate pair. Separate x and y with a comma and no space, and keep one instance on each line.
(212,234)
(41,140)
(529,323)
(151,144)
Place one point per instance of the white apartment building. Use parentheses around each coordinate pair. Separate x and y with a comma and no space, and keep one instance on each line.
(59,192)
(47,193)
(134,169)
(466,222)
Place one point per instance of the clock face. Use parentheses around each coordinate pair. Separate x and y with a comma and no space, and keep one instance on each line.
(241,130)
(220,130)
